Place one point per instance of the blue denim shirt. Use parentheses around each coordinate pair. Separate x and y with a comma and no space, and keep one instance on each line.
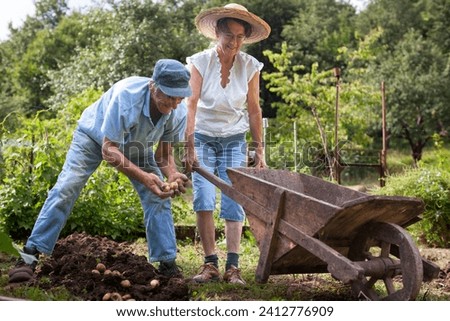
(122,115)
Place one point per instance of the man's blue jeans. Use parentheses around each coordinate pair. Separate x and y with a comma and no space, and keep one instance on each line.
(82,159)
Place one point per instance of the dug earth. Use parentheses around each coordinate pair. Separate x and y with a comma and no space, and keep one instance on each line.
(97,268)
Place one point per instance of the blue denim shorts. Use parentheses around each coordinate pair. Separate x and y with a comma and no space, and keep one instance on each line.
(216,154)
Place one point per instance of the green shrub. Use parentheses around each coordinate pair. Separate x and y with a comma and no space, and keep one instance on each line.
(108,206)
(182,211)
(432,185)
(32,156)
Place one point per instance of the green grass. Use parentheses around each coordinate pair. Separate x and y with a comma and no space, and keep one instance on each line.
(299,287)
(290,287)
(398,161)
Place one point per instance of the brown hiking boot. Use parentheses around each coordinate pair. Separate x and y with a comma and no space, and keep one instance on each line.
(233,276)
(208,273)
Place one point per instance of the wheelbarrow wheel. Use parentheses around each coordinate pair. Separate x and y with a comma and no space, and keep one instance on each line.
(389,257)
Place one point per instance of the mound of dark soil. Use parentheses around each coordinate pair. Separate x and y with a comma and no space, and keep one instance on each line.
(74,262)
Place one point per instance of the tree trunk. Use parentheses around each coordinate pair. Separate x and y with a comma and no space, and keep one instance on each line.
(323,137)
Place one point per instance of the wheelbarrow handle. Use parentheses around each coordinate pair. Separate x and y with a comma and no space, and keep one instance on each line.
(220,183)
(230,191)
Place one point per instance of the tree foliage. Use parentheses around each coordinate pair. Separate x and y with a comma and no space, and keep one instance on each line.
(414,64)
(418,95)
(318,30)
(310,100)
(58,53)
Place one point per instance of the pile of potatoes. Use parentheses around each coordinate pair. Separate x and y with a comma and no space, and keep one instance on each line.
(169,186)
(101,269)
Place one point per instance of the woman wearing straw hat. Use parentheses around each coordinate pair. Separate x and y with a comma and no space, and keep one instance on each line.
(223,107)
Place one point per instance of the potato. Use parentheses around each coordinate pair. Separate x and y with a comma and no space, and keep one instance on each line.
(154,283)
(101,267)
(125,284)
(165,188)
(107,297)
(116,273)
(174,185)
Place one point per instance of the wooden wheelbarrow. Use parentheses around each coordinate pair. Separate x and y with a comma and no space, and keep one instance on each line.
(303,224)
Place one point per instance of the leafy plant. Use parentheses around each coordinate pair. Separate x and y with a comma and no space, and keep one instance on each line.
(432,185)
(6,244)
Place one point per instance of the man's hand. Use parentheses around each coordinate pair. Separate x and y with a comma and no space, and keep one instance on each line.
(156,185)
(180,180)
(117,159)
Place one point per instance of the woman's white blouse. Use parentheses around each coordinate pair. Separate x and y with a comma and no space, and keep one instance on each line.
(222,112)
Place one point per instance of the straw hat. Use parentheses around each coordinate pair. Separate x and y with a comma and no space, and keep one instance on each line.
(206,21)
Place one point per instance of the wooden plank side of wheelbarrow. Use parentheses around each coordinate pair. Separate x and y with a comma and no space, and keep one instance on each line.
(306,184)
(306,213)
